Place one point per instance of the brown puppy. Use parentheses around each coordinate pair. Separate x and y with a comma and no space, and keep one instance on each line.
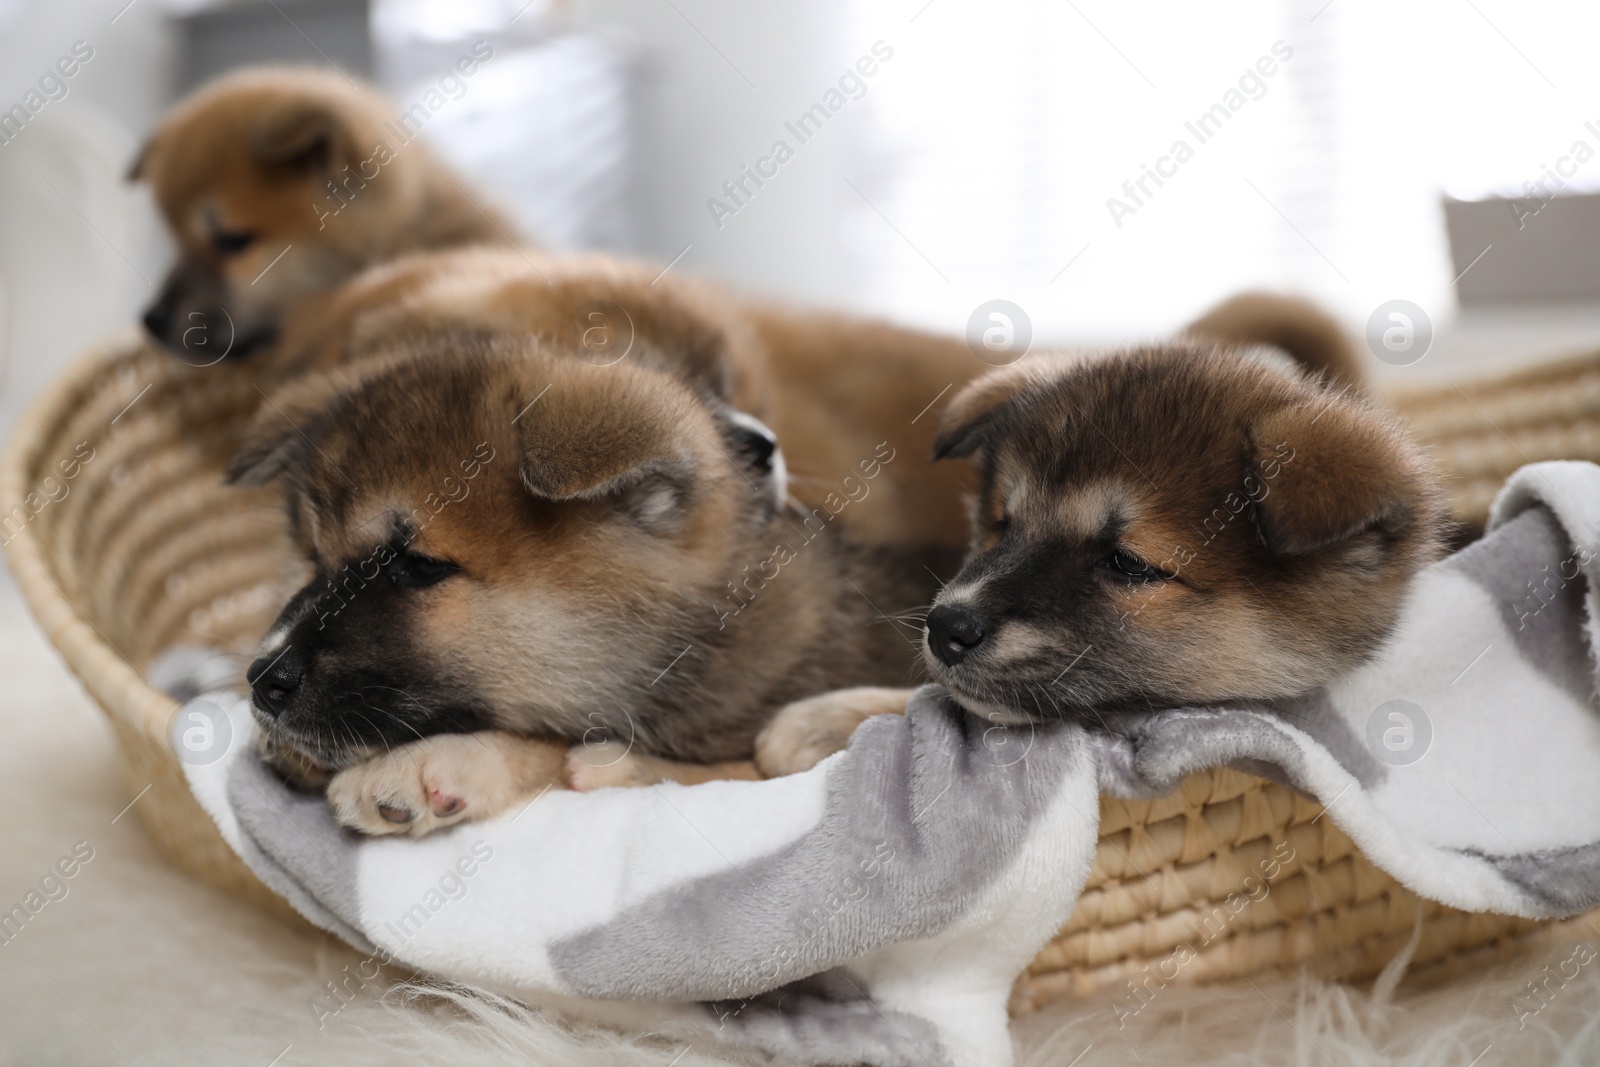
(1179,524)
(506,537)
(831,387)
(279,184)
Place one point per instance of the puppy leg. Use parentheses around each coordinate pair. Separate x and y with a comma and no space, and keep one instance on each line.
(808,731)
(426,785)
(612,763)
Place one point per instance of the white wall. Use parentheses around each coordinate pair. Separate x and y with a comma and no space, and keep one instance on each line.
(705,114)
(78,248)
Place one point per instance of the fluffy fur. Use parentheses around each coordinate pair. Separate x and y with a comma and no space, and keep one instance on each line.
(508,538)
(831,387)
(251,167)
(1183,523)
(652,377)
(1288,323)
(1171,525)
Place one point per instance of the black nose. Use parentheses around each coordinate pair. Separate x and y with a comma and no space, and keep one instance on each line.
(953,633)
(157,320)
(273,679)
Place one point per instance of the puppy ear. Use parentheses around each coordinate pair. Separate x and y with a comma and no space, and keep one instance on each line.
(276,436)
(976,412)
(582,444)
(301,137)
(1329,472)
(269,444)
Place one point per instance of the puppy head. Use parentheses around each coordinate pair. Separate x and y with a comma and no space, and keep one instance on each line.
(276,185)
(499,538)
(1171,526)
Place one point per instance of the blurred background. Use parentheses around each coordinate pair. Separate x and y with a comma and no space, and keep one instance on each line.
(1110,169)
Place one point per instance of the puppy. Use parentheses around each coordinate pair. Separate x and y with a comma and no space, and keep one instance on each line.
(832,387)
(277,185)
(1171,525)
(509,540)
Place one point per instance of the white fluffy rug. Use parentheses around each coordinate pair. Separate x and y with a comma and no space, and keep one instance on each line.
(136,965)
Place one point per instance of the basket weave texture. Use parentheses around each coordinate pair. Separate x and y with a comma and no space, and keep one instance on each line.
(143,547)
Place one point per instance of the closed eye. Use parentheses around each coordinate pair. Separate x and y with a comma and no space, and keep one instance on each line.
(413,570)
(1127,567)
(231,242)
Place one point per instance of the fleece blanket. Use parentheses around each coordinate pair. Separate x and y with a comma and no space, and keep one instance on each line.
(878,908)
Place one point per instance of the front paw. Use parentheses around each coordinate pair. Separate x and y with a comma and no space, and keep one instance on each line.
(806,732)
(427,785)
(608,763)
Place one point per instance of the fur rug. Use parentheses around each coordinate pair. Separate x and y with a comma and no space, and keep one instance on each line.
(137,965)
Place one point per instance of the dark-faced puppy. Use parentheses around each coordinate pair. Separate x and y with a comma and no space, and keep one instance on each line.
(1174,525)
(279,184)
(506,538)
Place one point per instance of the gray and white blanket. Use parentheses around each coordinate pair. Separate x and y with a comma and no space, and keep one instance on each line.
(878,908)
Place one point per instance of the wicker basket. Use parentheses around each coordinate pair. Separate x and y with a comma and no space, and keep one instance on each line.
(146,548)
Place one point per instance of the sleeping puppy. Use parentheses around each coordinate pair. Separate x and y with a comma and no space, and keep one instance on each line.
(507,540)
(1172,525)
(277,185)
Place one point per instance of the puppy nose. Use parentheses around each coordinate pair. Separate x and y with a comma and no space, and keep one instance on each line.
(157,320)
(953,633)
(273,679)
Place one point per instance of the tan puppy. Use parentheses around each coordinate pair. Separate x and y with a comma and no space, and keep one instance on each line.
(279,184)
(1173,525)
(507,539)
(831,387)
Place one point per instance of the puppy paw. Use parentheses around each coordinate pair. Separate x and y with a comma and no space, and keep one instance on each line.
(803,734)
(609,763)
(437,782)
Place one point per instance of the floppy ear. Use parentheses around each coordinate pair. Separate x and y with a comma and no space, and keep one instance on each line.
(975,412)
(301,137)
(584,444)
(269,444)
(1329,472)
(276,434)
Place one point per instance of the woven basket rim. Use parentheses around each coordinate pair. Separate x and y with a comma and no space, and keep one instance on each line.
(119,687)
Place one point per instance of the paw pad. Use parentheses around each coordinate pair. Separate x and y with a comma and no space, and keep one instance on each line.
(443,805)
(396,814)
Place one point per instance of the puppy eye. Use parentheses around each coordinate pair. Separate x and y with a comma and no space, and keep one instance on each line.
(413,570)
(1001,524)
(1131,568)
(231,242)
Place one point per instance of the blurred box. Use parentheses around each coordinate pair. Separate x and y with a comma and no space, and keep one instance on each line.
(1525,251)
(215,38)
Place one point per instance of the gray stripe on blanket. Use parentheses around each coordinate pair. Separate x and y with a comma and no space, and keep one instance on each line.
(871,873)
(323,856)
(1143,754)
(1541,608)
(825,1019)
(1149,754)
(1567,880)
